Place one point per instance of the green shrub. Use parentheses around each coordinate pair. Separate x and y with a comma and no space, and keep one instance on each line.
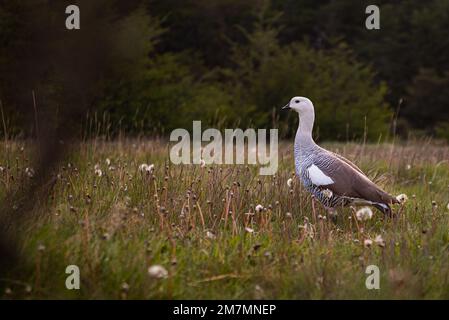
(348,102)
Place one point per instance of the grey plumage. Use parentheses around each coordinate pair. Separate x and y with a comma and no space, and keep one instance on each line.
(306,157)
(332,179)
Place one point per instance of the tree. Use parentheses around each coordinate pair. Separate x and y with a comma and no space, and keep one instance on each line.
(427,103)
(267,75)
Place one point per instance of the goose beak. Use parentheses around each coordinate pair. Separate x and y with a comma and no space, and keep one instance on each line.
(286,107)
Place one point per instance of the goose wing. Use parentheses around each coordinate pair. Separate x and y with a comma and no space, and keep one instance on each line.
(345,179)
(347,161)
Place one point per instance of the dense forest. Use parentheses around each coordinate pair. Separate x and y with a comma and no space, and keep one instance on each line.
(151,66)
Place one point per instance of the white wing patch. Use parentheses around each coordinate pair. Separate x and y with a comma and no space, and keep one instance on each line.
(317,176)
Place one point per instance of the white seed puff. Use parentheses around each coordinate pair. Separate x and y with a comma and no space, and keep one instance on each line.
(364,214)
(158,272)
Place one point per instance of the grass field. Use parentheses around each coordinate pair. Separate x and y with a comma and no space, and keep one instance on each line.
(199,223)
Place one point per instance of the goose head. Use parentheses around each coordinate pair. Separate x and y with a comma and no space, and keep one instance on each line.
(301,105)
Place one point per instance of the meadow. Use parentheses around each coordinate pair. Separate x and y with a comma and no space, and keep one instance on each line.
(164,231)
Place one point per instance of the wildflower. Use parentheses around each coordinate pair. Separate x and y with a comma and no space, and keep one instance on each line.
(290,182)
(249,230)
(327,193)
(146,168)
(408,167)
(259,208)
(210,235)
(434,204)
(402,198)
(379,241)
(29,172)
(288,215)
(98,172)
(108,162)
(367,243)
(125,287)
(259,292)
(41,248)
(158,272)
(202,163)
(364,214)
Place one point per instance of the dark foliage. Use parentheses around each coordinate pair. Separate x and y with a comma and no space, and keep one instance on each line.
(232,62)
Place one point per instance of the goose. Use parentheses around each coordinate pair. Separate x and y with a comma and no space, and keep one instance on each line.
(332,179)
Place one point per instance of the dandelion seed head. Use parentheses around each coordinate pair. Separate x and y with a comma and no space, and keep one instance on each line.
(210,235)
(259,208)
(368,243)
(146,168)
(157,272)
(29,172)
(364,214)
(402,198)
(125,287)
(327,193)
(379,241)
(98,172)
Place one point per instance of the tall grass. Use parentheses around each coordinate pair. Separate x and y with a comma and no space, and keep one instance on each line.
(201,225)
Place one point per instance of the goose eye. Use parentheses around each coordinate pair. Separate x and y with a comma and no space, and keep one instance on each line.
(296,101)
